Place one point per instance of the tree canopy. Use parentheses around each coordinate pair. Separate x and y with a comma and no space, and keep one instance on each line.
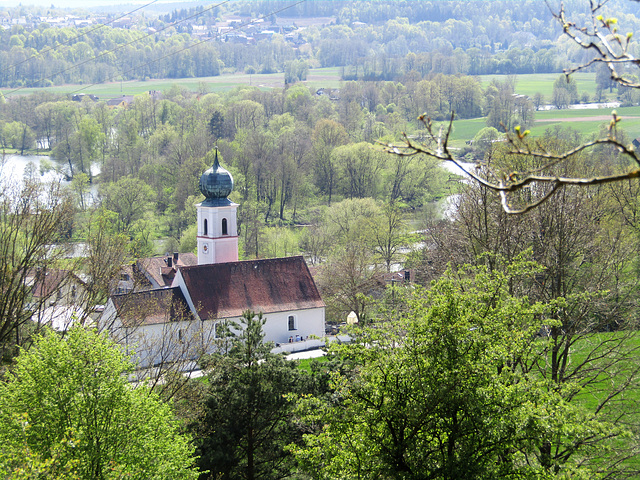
(68,401)
(443,391)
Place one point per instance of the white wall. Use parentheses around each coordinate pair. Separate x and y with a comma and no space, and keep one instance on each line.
(214,247)
(167,343)
(309,322)
(187,340)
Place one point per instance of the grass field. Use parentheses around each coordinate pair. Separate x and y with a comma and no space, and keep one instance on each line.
(587,122)
(319,77)
(543,83)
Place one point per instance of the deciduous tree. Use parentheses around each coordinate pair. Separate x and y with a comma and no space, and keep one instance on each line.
(33,218)
(441,393)
(79,406)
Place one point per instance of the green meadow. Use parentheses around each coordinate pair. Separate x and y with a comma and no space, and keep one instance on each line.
(543,83)
(318,77)
(579,120)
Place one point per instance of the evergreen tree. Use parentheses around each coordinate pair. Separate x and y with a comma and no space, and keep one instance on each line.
(247,419)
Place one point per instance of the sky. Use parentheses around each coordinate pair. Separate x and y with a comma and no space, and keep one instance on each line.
(88,3)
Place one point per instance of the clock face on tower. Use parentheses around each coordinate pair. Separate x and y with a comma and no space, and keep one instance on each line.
(205,248)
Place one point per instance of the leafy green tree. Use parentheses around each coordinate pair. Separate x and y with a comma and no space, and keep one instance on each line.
(348,279)
(90,138)
(80,407)
(387,233)
(32,218)
(326,136)
(359,169)
(19,462)
(439,392)
(500,104)
(565,92)
(18,135)
(247,419)
(586,240)
(129,198)
(484,140)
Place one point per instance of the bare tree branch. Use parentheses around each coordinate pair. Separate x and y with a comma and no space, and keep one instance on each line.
(609,47)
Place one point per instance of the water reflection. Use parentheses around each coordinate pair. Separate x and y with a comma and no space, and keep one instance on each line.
(14,168)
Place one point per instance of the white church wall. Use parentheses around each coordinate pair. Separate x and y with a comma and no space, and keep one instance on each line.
(167,343)
(214,245)
(307,323)
(157,343)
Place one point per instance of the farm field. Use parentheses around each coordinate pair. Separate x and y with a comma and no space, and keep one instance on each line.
(543,83)
(318,77)
(587,122)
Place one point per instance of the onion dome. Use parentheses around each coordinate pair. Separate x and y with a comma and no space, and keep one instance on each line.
(216,184)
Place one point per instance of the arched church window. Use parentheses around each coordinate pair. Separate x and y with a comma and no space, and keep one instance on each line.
(205,226)
(292,322)
(224,227)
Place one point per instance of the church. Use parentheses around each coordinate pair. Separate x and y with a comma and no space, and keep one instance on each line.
(184,319)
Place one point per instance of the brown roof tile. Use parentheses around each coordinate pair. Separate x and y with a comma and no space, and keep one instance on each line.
(225,290)
(152,307)
(157,269)
(47,282)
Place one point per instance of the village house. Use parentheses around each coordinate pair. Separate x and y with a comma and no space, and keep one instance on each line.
(56,298)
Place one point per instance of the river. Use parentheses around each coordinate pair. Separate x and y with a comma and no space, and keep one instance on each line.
(13,167)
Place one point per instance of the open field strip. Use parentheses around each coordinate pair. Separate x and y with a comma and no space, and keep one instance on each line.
(542,83)
(318,77)
(588,122)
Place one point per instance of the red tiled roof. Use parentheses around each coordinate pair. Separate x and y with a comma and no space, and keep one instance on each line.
(225,290)
(157,270)
(152,307)
(47,282)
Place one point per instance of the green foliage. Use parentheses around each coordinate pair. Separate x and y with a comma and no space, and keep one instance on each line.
(565,92)
(17,135)
(440,392)
(296,71)
(129,198)
(483,141)
(80,413)
(247,419)
(32,219)
(19,462)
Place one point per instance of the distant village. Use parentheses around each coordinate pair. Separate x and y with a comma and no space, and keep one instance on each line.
(231,29)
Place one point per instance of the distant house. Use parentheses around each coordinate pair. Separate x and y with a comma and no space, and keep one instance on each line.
(60,287)
(332,93)
(123,101)
(57,295)
(402,277)
(159,272)
(78,97)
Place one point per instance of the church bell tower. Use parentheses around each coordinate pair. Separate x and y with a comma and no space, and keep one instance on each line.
(217,218)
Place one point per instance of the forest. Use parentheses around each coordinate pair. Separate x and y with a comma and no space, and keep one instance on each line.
(511,349)
(367,39)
